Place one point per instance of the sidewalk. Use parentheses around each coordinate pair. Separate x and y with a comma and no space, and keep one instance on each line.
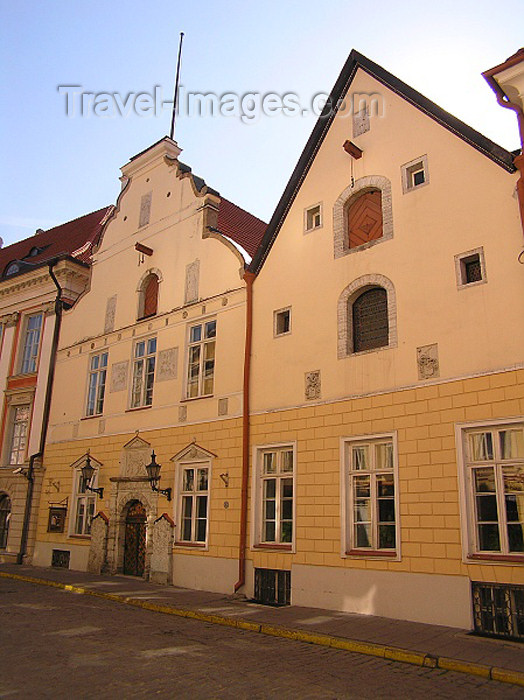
(411,642)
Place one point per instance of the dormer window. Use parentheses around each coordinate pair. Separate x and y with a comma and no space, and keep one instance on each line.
(12,269)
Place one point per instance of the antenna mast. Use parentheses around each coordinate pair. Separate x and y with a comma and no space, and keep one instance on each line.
(177,80)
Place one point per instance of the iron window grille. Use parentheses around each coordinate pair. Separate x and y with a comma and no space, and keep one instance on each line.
(498,610)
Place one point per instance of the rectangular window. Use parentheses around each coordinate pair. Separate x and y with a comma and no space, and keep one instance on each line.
(194,503)
(276,495)
(33,329)
(415,174)
(494,466)
(282,322)
(97,384)
(20,426)
(371,486)
(85,502)
(143,373)
(201,359)
(313,218)
(470,268)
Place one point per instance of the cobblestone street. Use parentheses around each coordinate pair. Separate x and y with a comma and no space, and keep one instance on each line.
(58,644)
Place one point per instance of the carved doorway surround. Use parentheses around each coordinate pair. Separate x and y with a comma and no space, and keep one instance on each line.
(135,539)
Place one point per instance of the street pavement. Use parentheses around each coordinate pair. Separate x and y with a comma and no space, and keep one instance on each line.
(55,644)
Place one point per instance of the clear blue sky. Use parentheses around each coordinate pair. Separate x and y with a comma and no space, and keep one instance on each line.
(55,168)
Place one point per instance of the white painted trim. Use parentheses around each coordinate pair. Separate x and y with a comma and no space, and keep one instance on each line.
(256,497)
(177,500)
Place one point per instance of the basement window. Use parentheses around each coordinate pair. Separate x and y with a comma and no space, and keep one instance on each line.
(498,610)
(273,587)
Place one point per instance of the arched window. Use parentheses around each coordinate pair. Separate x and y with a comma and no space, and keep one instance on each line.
(5,517)
(148,304)
(367,316)
(370,320)
(364,215)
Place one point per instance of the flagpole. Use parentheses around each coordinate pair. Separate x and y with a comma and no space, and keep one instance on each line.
(177,79)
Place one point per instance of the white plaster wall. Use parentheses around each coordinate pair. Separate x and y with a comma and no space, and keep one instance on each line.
(44,552)
(205,573)
(431,599)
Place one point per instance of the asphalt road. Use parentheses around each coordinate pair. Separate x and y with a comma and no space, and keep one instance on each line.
(55,644)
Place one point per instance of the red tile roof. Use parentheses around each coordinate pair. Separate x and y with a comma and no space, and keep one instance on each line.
(74,238)
(241,226)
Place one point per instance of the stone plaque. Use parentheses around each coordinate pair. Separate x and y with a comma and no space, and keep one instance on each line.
(145,209)
(223,407)
(427,361)
(312,385)
(192,275)
(161,550)
(167,364)
(109,323)
(182,414)
(360,122)
(98,546)
(119,376)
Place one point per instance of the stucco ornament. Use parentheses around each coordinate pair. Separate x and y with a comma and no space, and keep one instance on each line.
(167,364)
(119,376)
(313,385)
(109,322)
(427,361)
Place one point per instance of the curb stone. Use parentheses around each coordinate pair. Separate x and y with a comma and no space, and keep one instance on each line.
(416,658)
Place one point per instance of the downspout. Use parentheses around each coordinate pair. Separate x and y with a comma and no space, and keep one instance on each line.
(45,417)
(505,102)
(249,278)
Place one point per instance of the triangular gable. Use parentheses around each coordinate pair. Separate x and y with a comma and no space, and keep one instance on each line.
(192,453)
(136,443)
(355,61)
(79,463)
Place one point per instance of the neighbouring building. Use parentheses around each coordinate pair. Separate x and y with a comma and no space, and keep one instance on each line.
(39,277)
(340,420)
(151,359)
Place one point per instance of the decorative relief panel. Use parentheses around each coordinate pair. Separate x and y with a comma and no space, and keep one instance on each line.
(109,323)
(145,209)
(192,277)
(360,122)
(182,414)
(167,364)
(313,386)
(135,455)
(427,361)
(223,406)
(119,376)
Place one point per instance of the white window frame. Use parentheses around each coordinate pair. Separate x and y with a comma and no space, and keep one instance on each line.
(202,343)
(309,212)
(98,375)
(87,498)
(257,540)
(348,551)
(276,314)
(21,452)
(31,341)
(470,552)
(142,375)
(408,170)
(193,494)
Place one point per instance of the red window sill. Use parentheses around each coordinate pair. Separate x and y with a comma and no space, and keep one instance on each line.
(497,557)
(276,547)
(371,553)
(199,545)
(138,408)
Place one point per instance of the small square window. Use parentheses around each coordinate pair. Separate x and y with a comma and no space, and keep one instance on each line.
(470,268)
(313,218)
(415,174)
(282,322)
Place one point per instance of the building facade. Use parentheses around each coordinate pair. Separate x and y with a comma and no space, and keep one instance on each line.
(340,426)
(39,276)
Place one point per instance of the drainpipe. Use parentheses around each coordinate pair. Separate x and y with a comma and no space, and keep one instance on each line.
(505,102)
(45,417)
(249,278)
